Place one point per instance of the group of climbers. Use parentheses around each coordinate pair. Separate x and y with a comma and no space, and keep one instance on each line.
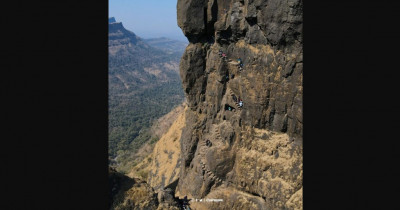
(238,102)
(239,61)
(240,67)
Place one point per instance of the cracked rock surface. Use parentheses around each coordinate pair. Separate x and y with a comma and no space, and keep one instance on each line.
(254,160)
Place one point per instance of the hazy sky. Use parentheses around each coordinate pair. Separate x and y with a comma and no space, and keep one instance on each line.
(147,18)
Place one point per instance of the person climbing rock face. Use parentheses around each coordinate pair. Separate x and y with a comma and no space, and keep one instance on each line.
(240,66)
(208,143)
(224,56)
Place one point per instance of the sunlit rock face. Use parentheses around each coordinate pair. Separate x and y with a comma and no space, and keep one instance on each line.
(254,156)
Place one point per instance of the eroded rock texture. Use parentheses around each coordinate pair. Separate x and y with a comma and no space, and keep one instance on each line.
(254,160)
(135,194)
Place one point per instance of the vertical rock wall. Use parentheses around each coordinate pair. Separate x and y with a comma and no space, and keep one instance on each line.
(256,150)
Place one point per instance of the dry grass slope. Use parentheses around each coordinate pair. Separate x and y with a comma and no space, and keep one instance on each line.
(164,168)
(160,161)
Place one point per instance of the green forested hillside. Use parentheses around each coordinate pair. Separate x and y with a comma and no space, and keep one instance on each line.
(129,114)
(144,84)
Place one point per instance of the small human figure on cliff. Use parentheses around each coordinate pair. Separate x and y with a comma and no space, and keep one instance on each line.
(224,56)
(240,64)
(241,103)
(208,143)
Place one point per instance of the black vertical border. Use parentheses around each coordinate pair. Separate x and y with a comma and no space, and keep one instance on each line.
(54,95)
(351,104)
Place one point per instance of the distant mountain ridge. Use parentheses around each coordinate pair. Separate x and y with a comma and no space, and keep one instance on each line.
(111,20)
(168,45)
(144,84)
(134,63)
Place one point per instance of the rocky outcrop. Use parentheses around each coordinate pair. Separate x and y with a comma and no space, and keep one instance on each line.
(133,61)
(111,20)
(134,194)
(121,40)
(256,150)
(128,193)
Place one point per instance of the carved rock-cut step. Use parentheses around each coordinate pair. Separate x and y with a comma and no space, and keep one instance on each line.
(237,105)
(231,93)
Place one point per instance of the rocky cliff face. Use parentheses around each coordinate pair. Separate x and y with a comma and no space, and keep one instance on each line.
(131,194)
(254,160)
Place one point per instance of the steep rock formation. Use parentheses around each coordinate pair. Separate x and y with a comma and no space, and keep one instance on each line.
(135,62)
(127,193)
(135,194)
(255,157)
(111,20)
